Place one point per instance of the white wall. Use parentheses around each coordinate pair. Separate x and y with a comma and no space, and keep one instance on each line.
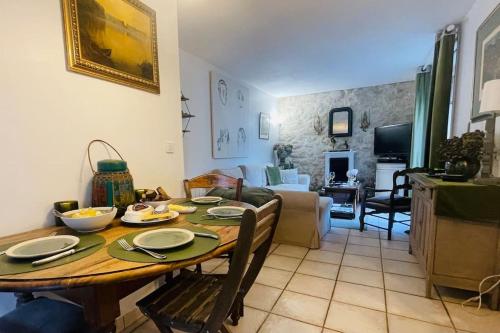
(195,83)
(48,115)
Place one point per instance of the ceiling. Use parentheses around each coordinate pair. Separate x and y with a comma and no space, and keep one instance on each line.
(294,47)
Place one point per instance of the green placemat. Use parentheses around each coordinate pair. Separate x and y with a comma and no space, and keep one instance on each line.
(199,218)
(17,266)
(198,247)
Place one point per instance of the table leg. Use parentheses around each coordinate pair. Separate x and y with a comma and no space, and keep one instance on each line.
(23,298)
(101,306)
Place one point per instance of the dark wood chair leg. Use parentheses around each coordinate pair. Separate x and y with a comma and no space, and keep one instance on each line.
(391,223)
(23,298)
(362,218)
(199,269)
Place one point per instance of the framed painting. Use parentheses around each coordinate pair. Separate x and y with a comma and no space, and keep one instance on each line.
(264,125)
(487,58)
(230,105)
(114,40)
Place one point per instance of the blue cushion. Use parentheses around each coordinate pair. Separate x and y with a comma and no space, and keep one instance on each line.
(44,315)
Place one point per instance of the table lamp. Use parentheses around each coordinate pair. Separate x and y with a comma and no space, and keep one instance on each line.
(490,103)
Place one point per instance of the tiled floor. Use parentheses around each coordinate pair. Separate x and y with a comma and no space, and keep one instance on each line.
(356,283)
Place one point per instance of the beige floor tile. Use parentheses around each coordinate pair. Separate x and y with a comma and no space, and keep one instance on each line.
(222,268)
(305,308)
(417,307)
(148,327)
(469,319)
(340,231)
(401,255)
(311,285)
(210,265)
(353,319)
(273,247)
(249,323)
(363,250)
(324,256)
(407,284)
(395,245)
(355,294)
(326,330)
(279,324)
(366,233)
(398,236)
(335,238)
(320,269)
(282,262)
(363,241)
(274,277)
(352,260)
(399,324)
(333,247)
(291,251)
(262,297)
(403,268)
(361,276)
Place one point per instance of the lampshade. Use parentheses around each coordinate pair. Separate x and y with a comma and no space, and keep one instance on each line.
(490,98)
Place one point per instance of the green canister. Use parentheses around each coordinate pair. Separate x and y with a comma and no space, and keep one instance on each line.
(112,184)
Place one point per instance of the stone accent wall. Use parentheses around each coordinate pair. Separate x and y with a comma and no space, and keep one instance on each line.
(388,104)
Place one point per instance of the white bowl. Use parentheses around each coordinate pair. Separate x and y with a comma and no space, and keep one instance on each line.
(89,224)
(155,204)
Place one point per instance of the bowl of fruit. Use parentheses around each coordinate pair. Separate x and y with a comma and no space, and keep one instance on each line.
(89,219)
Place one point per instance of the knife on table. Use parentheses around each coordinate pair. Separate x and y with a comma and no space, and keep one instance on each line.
(61,255)
(202,234)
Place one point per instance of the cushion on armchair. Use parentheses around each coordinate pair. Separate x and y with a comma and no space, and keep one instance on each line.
(273,176)
(290,176)
(385,199)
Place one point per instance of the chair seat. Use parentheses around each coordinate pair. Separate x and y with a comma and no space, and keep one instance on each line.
(383,201)
(185,302)
(44,315)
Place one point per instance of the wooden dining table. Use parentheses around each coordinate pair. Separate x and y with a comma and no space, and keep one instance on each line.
(99,281)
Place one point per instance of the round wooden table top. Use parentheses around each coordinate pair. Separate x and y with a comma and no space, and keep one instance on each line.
(100,267)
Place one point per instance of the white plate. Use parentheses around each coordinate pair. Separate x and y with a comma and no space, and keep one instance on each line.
(226,211)
(206,200)
(165,238)
(174,215)
(41,247)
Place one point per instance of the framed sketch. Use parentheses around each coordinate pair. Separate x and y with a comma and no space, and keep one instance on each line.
(230,105)
(340,122)
(114,40)
(487,58)
(264,125)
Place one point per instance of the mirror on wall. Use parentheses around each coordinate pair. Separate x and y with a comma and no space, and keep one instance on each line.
(340,122)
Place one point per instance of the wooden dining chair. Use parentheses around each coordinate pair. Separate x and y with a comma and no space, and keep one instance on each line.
(194,302)
(213,180)
(390,203)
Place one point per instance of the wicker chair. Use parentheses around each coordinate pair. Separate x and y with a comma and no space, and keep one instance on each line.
(389,203)
(194,302)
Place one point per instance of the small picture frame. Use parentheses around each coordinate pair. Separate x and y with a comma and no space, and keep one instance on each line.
(264,125)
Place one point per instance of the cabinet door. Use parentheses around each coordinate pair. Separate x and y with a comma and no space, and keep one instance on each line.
(421,221)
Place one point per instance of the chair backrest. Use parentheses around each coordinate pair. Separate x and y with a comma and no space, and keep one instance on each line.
(212,180)
(255,236)
(405,186)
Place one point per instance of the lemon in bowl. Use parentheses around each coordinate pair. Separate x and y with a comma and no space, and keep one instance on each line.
(89,219)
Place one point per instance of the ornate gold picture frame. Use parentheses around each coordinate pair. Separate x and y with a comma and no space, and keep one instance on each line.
(114,40)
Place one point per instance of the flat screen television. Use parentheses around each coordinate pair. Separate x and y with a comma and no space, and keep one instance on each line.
(393,140)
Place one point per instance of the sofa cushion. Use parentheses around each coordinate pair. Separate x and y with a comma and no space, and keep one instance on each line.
(290,176)
(257,196)
(273,176)
(255,174)
(290,187)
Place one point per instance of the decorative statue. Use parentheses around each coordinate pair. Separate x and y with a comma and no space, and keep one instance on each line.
(318,125)
(282,153)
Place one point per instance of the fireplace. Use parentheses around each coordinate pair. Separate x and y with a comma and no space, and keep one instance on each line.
(339,162)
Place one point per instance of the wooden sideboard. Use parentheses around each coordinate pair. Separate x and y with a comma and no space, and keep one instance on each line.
(453,252)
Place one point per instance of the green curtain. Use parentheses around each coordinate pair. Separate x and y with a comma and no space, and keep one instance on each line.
(443,69)
(421,118)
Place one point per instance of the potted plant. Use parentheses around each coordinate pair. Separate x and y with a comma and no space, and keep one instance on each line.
(283,152)
(463,155)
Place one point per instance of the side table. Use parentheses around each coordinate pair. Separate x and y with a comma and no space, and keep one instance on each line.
(345,208)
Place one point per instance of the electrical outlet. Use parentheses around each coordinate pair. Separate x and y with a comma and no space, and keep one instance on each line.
(170,147)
